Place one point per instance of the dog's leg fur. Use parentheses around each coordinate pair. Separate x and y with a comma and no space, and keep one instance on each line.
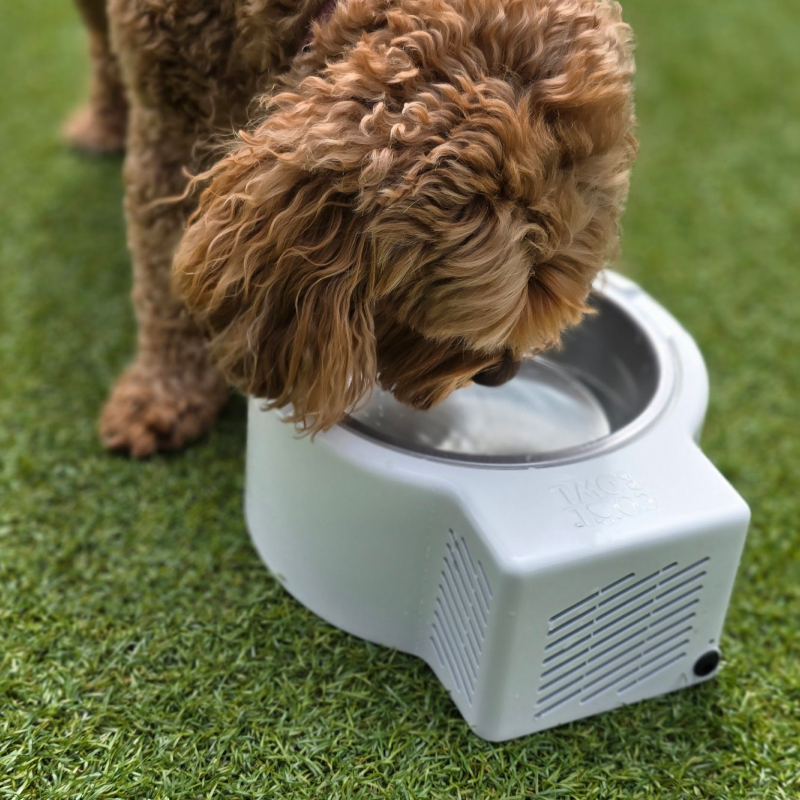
(99,126)
(170,394)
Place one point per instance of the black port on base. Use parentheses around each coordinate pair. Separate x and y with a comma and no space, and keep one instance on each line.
(706,664)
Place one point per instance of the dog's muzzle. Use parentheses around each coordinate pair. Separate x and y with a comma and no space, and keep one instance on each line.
(499,373)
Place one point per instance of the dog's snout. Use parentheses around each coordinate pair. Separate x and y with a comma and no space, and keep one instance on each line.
(499,373)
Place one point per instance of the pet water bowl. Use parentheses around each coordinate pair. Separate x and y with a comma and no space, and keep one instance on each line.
(552,548)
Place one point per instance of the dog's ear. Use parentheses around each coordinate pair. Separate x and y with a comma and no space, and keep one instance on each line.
(273,267)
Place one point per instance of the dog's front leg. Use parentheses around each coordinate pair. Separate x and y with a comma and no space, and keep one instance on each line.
(170,394)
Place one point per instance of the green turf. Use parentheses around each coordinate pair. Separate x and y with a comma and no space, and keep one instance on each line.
(144,650)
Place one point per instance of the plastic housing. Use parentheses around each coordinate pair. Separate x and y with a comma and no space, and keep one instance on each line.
(538,595)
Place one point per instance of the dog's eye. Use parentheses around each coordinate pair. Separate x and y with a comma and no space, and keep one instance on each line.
(501,372)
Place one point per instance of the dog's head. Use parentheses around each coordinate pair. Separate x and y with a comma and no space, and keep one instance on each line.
(427,201)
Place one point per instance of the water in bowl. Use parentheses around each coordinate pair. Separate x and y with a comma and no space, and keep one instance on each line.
(543,409)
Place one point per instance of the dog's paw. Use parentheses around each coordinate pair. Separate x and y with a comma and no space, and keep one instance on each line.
(96,133)
(148,412)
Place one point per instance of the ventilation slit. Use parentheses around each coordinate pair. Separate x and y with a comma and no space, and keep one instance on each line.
(610,672)
(622,605)
(452,640)
(457,637)
(607,686)
(619,654)
(681,585)
(467,579)
(683,596)
(572,607)
(628,589)
(620,635)
(478,575)
(470,602)
(646,675)
(671,625)
(447,651)
(670,649)
(467,624)
(458,628)
(563,675)
(571,621)
(681,632)
(564,663)
(452,646)
(570,634)
(558,703)
(684,570)
(483,583)
(437,648)
(617,582)
(560,689)
(567,649)
(627,614)
(460,622)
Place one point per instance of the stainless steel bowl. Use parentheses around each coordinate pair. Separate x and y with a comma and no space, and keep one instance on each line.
(612,377)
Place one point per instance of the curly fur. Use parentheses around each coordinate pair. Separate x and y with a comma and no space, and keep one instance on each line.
(427,195)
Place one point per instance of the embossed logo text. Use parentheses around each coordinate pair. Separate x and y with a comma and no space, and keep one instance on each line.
(604,500)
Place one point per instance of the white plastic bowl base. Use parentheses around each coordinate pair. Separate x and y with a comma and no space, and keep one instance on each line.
(543,582)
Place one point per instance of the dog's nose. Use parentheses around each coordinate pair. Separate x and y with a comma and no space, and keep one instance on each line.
(499,373)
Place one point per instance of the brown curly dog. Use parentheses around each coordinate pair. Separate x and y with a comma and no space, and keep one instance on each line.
(420,193)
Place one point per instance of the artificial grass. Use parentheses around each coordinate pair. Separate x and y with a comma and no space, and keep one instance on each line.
(144,650)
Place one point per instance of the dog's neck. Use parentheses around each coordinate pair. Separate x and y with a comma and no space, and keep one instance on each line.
(271,37)
(322,16)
